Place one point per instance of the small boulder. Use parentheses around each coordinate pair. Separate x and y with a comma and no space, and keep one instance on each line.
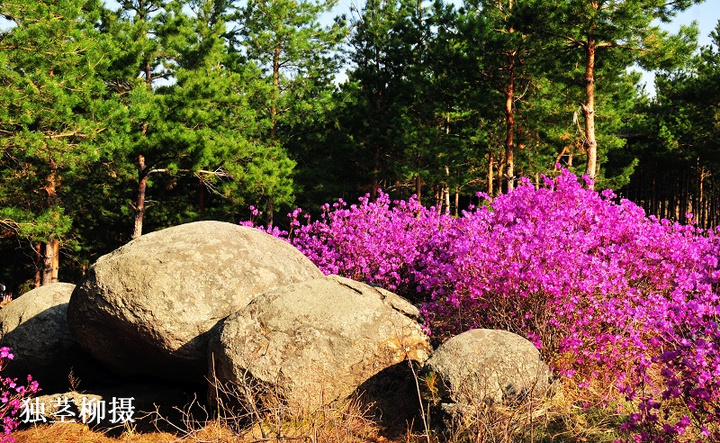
(34,326)
(482,367)
(315,342)
(148,307)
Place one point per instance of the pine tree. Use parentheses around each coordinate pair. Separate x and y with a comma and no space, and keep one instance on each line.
(392,121)
(605,38)
(298,60)
(193,123)
(211,120)
(676,138)
(52,119)
(142,62)
(465,101)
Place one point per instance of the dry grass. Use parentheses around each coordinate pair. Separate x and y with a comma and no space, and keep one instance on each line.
(557,420)
(345,424)
(80,433)
(253,413)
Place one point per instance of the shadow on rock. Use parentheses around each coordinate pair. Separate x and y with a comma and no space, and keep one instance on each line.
(391,399)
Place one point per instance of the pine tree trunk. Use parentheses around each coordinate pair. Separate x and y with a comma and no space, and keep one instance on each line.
(446,191)
(509,142)
(447,200)
(51,257)
(276,89)
(38,265)
(500,177)
(140,204)
(51,261)
(589,112)
(270,210)
(687,196)
(510,119)
(677,198)
(702,216)
(418,187)
(147,68)
(139,208)
(653,198)
(457,202)
(490,173)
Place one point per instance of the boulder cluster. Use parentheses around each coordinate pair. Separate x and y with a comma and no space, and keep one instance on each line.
(219,304)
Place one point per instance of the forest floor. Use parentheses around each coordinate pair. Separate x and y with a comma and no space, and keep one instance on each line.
(559,418)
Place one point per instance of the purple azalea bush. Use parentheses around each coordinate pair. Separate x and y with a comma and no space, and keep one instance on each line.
(11,397)
(607,294)
(378,242)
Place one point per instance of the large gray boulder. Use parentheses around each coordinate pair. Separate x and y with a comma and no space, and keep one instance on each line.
(314,342)
(149,306)
(34,326)
(482,367)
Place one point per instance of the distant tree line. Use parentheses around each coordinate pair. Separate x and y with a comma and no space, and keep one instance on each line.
(119,120)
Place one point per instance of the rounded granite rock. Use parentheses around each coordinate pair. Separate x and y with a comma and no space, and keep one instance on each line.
(149,306)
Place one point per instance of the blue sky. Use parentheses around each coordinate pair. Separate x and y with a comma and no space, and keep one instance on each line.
(705,14)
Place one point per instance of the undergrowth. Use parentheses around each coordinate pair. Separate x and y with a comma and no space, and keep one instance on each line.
(564,415)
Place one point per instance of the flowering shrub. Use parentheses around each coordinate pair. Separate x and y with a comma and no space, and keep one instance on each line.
(374,242)
(607,294)
(689,363)
(11,396)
